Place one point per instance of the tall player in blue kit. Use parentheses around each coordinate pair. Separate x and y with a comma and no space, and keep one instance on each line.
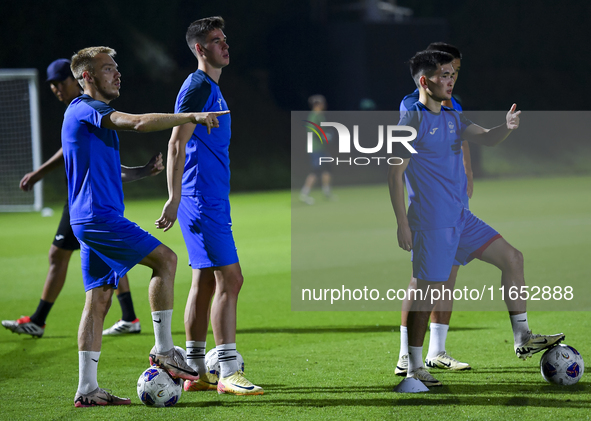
(437,355)
(438,228)
(110,245)
(198,187)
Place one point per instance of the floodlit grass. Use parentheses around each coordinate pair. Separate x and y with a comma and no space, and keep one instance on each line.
(313,365)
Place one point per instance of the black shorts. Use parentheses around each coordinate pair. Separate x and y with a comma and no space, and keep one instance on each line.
(64,237)
(317,168)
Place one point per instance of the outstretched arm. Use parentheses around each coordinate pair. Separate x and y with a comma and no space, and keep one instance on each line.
(153,167)
(29,180)
(156,122)
(492,137)
(396,185)
(174,174)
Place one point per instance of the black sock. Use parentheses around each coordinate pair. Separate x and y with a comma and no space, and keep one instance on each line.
(41,313)
(128,314)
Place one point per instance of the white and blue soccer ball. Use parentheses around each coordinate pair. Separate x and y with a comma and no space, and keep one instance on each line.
(562,365)
(213,364)
(157,388)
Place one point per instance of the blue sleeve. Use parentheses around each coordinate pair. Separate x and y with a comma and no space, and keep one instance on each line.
(403,107)
(457,105)
(409,100)
(194,99)
(464,122)
(96,111)
(409,118)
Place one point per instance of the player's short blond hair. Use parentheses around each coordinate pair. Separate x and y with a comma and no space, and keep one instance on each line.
(82,61)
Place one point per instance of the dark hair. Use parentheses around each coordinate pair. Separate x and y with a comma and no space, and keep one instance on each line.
(198,30)
(446,48)
(426,62)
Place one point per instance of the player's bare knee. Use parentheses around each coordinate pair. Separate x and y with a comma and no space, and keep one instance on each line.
(99,303)
(106,299)
(235,283)
(172,260)
(239,282)
(107,306)
(232,284)
(168,261)
(515,259)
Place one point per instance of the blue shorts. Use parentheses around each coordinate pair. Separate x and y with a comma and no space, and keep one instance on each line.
(435,251)
(110,248)
(207,229)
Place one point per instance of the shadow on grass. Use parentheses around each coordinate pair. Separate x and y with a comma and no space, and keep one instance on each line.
(28,339)
(259,401)
(515,395)
(500,370)
(495,401)
(334,329)
(25,360)
(282,389)
(485,390)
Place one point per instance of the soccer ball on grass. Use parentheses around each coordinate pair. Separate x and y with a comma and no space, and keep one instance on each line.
(157,388)
(213,364)
(562,364)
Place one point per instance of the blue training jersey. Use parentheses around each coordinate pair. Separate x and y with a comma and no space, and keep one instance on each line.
(434,176)
(207,164)
(93,165)
(409,100)
(407,103)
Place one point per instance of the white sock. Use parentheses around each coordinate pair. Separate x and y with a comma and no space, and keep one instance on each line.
(520,327)
(87,366)
(196,356)
(437,339)
(326,190)
(227,359)
(403,341)
(162,332)
(415,358)
(305,190)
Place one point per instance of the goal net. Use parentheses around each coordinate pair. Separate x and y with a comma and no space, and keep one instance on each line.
(20,145)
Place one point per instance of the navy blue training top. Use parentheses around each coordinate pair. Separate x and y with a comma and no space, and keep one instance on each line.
(93,165)
(434,176)
(207,162)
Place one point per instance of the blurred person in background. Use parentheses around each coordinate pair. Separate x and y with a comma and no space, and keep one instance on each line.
(322,172)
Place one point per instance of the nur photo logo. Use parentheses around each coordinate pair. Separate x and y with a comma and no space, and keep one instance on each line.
(387,135)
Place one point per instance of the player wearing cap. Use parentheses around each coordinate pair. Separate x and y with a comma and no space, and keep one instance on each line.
(66,88)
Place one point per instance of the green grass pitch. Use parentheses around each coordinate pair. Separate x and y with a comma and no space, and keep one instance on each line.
(313,365)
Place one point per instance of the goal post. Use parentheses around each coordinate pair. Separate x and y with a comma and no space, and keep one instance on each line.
(20,139)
